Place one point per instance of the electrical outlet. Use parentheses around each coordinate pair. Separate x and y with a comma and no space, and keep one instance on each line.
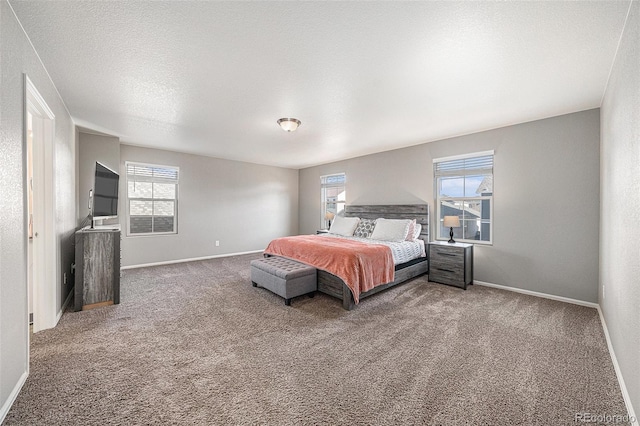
(217,243)
(64,277)
(602,291)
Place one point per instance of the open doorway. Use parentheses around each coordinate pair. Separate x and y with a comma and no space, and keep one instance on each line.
(42,276)
(29,182)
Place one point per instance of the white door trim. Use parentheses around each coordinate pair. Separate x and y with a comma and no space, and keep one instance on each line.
(45,297)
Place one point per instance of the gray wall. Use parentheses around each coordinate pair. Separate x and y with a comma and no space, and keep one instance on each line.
(620,205)
(17,57)
(242,205)
(92,148)
(546,183)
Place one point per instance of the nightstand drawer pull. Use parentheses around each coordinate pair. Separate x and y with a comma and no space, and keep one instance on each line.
(446,270)
(447,254)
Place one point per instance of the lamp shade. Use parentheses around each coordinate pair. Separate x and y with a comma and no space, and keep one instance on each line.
(329,216)
(289,124)
(451,221)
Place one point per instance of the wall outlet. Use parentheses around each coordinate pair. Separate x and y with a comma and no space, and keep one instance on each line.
(217,243)
(64,277)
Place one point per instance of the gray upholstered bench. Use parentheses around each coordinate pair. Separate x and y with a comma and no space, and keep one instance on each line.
(285,277)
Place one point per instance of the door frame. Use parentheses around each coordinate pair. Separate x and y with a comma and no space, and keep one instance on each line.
(44,290)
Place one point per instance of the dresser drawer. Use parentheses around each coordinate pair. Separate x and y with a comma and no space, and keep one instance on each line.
(446,276)
(443,251)
(446,258)
(446,264)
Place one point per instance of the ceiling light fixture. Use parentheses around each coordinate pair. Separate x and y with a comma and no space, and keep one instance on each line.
(289,124)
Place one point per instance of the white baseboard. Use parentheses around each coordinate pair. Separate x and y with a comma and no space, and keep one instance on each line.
(169,262)
(12,396)
(64,305)
(538,294)
(616,367)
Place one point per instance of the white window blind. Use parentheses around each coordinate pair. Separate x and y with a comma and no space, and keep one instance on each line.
(482,165)
(152,197)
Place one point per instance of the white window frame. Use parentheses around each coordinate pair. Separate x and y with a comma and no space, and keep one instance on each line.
(324,223)
(460,173)
(153,180)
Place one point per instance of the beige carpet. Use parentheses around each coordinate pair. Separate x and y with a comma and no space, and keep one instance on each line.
(195,343)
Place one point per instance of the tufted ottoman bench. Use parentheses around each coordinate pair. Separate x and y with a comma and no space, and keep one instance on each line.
(285,277)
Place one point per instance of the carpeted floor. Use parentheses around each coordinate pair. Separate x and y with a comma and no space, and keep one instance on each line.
(195,343)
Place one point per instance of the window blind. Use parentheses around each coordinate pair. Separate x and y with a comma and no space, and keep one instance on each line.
(333,180)
(150,173)
(476,165)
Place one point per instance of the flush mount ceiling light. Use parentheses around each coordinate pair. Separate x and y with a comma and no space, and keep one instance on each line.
(289,124)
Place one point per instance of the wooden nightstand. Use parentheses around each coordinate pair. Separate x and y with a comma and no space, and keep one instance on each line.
(322,231)
(451,263)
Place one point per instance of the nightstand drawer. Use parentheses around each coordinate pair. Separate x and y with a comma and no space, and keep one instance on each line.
(446,276)
(447,258)
(444,251)
(446,264)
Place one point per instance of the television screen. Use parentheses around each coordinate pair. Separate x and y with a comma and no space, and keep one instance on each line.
(105,192)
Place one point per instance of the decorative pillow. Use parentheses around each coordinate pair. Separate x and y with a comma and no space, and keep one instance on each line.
(412,227)
(344,225)
(391,229)
(416,231)
(365,228)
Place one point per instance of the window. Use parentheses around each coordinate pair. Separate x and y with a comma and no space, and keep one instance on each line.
(332,189)
(464,188)
(152,198)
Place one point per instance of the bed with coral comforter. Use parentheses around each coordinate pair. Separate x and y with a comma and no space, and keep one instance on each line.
(352,268)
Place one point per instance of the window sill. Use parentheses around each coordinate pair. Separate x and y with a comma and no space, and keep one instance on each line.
(155,234)
(460,240)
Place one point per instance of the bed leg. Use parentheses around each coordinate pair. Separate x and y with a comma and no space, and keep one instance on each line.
(313,293)
(287,302)
(254,283)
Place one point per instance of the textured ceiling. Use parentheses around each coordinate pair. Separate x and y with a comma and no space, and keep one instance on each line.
(212,78)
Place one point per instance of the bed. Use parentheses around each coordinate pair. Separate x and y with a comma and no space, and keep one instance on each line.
(333,285)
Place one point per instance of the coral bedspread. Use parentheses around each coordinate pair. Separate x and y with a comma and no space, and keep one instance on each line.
(361,266)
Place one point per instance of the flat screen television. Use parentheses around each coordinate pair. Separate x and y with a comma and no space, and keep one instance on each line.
(105,193)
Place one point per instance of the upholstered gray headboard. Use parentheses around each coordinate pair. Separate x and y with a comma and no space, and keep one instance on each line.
(419,212)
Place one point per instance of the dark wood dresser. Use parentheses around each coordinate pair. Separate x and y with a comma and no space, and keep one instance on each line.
(97,279)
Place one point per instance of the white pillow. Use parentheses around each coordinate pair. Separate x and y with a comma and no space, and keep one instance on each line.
(344,225)
(391,229)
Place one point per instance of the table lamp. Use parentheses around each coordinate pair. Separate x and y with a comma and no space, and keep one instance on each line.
(329,216)
(451,222)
